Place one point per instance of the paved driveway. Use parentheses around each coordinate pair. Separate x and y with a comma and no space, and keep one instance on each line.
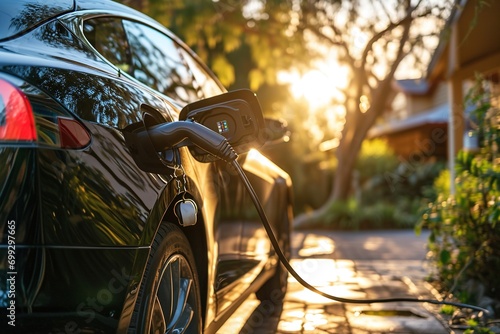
(363,245)
(359,265)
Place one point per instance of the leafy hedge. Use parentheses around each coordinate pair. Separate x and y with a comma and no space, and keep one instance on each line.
(465,226)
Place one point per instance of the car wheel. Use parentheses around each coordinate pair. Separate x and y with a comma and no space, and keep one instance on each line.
(169,297)
(274,289)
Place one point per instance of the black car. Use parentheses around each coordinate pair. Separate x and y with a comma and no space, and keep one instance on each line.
(110,222)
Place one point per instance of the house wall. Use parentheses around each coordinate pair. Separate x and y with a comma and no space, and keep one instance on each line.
(412,137)
(421,103)
(420,144)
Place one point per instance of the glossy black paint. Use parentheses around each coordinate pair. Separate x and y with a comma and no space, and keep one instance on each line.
(85,218)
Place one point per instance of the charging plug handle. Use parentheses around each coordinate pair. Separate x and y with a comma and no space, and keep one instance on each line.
(184,133)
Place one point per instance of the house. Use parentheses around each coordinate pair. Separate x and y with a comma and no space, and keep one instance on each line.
(416,127)
(429,106)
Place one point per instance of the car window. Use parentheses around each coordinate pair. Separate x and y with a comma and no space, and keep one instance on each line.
(207,84)
(107,36)
(151,57)
(156,61)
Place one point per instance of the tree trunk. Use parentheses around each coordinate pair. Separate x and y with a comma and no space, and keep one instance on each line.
(347,154)
(350,146)
(348,150)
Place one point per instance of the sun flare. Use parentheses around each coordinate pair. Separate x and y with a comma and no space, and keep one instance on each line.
(319,86)
(323,88)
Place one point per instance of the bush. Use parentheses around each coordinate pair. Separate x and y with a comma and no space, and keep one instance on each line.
(387,194)
(465,227)
(375,159)
(392,192)
(351,215)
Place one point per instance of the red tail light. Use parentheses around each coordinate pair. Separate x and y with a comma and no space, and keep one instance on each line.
(17,122)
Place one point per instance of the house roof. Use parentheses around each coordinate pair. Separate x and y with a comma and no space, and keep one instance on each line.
(437,115)
(435,64)
(413,86)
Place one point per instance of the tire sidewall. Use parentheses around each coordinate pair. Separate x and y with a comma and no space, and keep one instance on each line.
(169,243)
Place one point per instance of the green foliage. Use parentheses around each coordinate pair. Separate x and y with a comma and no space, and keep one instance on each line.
(258,32)
(441,184)
(375,159)
(447,309)
(476,328)
(385,180)
(384,176)
(352,215)
(388,192)
(465,229)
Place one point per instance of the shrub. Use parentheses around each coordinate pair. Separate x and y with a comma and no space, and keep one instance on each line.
(388,194)
(465,226)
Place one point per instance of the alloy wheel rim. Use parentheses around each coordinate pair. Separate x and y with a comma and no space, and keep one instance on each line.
(175,300)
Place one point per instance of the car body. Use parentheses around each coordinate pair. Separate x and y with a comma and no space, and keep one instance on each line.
(90,235)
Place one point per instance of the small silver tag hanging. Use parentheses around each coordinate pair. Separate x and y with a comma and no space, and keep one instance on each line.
(185,209)
(186,212)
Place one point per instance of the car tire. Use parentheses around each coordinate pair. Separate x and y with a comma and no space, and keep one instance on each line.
(274,290)
(169,297)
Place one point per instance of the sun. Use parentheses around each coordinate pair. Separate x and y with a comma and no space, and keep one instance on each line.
(320,85)
(314,86)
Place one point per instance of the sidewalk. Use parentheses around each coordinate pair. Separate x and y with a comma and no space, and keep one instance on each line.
(358,265)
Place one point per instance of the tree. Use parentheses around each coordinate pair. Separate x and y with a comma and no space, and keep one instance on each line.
(245,38)
(374,39)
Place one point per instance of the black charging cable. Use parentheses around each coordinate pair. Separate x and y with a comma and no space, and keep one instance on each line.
(188,133)
(299,279)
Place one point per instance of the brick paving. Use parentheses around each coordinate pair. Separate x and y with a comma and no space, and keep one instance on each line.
(378,264)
